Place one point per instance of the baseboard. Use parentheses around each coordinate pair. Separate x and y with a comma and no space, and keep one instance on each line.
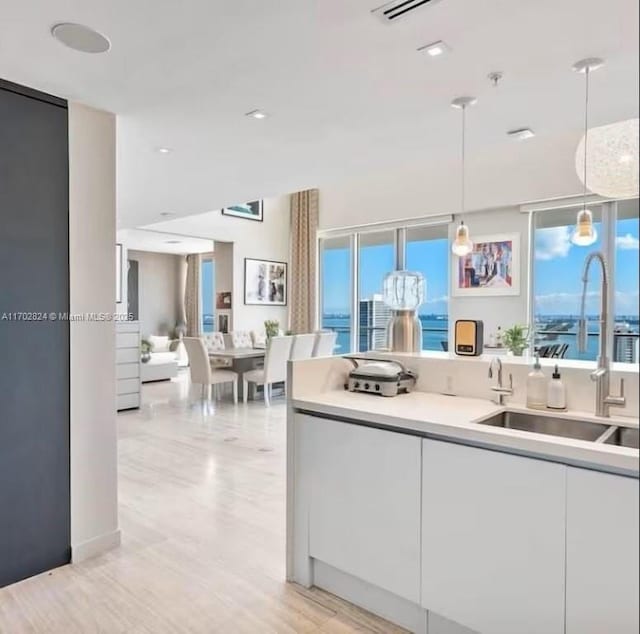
(365,595)
(96,546)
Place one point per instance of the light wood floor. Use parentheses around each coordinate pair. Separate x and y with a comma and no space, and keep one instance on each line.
(202,513)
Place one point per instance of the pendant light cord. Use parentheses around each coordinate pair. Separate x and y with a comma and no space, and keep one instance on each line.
(586,131)
(462,196)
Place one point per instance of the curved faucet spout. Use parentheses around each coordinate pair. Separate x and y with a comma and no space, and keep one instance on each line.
(602,375)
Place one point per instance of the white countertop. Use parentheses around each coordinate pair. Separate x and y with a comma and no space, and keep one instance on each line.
(456,418)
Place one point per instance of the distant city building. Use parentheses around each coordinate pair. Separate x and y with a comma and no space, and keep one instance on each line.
(625,347)
(374,317)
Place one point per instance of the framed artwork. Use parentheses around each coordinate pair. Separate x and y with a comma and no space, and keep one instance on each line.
(223,300)
(118,274)
(223,324)
(491,269)
(248,211)
(265,283)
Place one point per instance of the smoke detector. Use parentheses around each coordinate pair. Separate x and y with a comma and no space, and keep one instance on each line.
(397,10)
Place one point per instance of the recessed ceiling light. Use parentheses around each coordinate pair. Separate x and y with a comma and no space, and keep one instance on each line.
(173,241)
(521,134)
(435,49)
(257,114)
(164,150)
(167,214)
(80,38)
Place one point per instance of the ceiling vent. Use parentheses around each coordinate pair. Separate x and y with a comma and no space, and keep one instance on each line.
(398,9)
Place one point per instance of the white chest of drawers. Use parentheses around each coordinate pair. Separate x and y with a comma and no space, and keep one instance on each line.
(127,365)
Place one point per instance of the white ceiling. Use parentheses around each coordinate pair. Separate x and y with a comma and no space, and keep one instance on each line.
(347,93)
(160,241)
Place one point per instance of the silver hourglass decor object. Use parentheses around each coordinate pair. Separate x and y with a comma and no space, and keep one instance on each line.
(403,292)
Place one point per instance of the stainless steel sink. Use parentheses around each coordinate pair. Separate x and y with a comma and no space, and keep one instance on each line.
(623,437)
(541,424)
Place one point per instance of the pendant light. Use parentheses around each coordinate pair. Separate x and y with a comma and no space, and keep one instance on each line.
(585,233)
(462,245)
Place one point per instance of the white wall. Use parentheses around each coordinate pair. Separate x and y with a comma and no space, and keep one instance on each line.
(268,240)
(159,289)
(494,311)
(92,219)
(224,276)
(542,168)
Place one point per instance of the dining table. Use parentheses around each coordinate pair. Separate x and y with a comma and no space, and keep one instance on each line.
(242,360)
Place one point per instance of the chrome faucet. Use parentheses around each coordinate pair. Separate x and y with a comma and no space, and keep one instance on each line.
(602,374)
(499,390)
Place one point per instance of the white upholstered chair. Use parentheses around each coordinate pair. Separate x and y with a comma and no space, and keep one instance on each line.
(275,367)
(202,372)
(240,339)
(303,346)
(325,343)
(214,342)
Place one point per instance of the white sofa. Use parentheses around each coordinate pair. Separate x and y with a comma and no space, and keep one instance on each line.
(163,364)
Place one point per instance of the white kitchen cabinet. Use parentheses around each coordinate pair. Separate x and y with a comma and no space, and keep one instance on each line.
(602,553)
(364,502)
(493,539)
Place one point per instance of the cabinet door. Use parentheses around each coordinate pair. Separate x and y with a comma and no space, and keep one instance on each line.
(364,516)
(35,533)
(493,539)
(602,553)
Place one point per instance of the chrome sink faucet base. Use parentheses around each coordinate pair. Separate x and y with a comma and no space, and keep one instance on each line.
(499,390)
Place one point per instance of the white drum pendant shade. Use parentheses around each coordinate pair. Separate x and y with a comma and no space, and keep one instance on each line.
(612,159)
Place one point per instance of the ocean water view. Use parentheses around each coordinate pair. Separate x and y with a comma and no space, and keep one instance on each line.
(551,330)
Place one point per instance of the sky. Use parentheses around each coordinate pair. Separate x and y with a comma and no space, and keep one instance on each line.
(559,264)
(557,272)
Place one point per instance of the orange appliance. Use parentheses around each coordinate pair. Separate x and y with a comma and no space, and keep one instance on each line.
(469,337)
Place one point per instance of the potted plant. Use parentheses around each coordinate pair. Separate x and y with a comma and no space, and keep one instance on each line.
(271,328)
(516,339)
(145,350)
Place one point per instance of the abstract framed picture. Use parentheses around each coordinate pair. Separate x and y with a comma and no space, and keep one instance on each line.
(248,211)
(491,269)
(265,283)
(223,300)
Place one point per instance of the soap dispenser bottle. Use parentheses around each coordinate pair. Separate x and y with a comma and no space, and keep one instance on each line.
(556,393)
(537,387)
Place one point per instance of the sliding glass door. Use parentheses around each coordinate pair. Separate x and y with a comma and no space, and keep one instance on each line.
(208,293)
(427,252)
(336,255)
(376,258)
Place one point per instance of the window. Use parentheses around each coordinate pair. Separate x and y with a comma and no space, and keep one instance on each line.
(428,253)
(336,289)
(627,232)
(376,258)
(557,281)
(352,304)
(208,294)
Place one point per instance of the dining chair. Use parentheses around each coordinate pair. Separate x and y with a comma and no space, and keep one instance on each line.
(201,371)
(275,368)
(214,342)
(240,339)
(325,343)
(303,345)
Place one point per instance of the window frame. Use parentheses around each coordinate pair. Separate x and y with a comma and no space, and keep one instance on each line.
(608,222)
(354,234)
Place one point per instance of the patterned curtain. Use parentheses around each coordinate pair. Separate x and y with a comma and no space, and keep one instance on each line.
(304,245)
(192,295)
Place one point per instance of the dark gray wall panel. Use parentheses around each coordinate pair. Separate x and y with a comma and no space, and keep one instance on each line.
(34,370)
